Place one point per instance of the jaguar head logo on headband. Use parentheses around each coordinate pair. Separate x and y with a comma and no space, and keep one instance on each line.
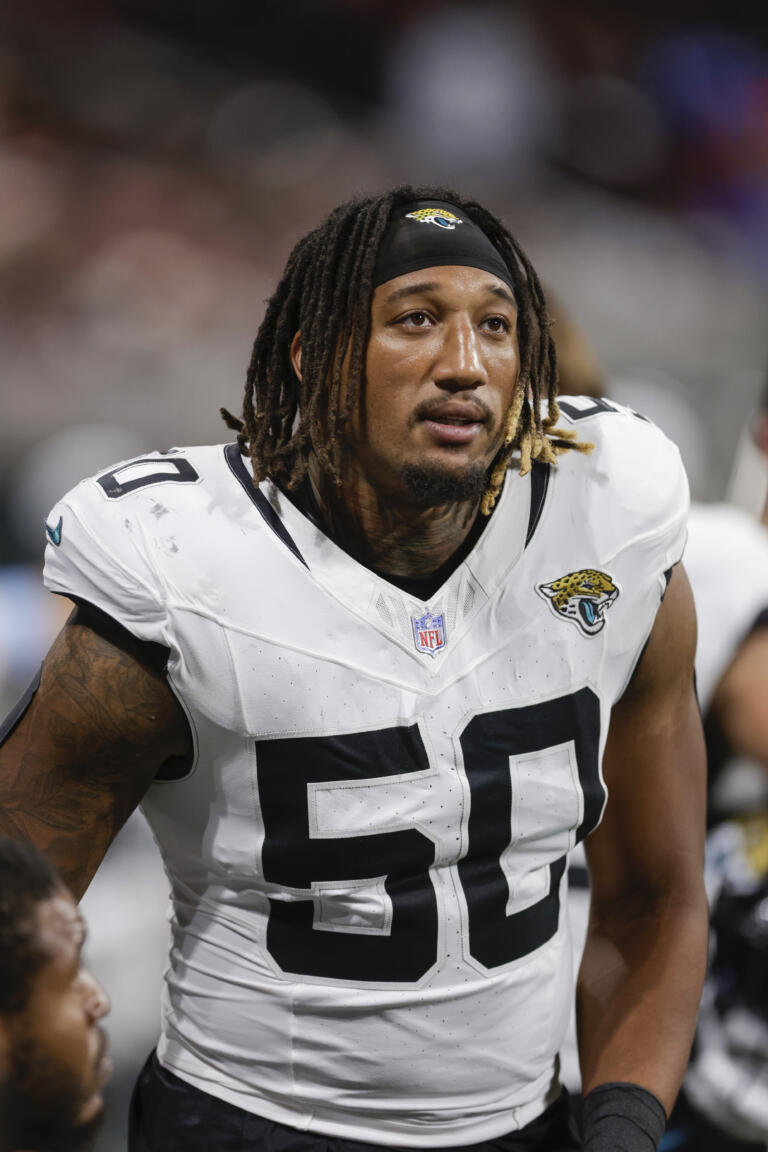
(405,249)
(440,216)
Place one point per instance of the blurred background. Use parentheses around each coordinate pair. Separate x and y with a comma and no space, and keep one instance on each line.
(159,159)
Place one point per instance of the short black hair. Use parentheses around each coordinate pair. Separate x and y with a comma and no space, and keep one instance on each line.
(27,878)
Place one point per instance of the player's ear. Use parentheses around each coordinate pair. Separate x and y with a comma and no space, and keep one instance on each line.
(296,353)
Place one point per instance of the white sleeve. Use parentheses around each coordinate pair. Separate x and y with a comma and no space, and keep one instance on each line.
(660,542)
(634,502)
(97,551)
(668,496)
(640,468)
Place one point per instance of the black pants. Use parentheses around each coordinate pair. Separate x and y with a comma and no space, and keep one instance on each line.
(169,1115)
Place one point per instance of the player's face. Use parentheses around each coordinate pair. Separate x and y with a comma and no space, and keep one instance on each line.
(440,372)
(57,1053)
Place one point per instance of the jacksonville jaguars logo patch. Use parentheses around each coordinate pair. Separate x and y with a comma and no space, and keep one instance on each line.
(583,597)
(439,216)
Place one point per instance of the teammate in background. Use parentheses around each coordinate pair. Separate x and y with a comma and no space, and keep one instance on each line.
(53,1061)
(362,669)
(730,551)
(724,1103)
(724,1106)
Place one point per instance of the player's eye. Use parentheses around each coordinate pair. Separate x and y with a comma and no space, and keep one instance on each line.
(416,320)
(497,324)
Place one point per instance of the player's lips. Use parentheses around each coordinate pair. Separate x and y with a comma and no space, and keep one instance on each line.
(105,1069)
(454,421)
(104,1064)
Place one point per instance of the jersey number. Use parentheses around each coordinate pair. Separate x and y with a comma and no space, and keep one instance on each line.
(512,898)
(596,406)
(143,472)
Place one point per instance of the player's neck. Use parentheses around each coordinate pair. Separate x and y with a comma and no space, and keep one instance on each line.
(393,536)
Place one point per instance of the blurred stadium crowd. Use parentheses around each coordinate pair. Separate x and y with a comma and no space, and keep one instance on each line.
(157,161)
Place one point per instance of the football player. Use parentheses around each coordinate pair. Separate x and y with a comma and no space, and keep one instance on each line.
(372,670)
(53,1052)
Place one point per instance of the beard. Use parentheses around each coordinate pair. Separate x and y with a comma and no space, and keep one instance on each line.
(42,1101)
(429,485)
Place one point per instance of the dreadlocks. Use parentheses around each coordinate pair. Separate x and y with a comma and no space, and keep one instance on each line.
(326,292)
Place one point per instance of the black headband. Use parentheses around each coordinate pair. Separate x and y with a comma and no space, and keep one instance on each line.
(431,233)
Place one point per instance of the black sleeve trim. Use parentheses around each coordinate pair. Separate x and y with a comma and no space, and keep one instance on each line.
(149,653)
(578,877)
(760,622)
(14,716)
(667,578)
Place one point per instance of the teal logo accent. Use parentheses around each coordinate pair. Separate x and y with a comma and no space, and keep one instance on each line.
(54,534)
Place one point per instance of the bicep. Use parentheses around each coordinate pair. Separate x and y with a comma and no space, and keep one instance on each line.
(650,843)
(740,702)
(97,730)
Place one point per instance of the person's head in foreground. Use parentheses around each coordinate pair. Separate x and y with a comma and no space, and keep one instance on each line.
(403,359)
(53,1061)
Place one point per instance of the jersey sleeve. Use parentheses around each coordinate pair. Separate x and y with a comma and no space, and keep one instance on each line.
(630,499)
(660,501)
(97,551)
(642,498)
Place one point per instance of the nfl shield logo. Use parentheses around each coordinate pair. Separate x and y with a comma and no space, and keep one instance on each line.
(428,633)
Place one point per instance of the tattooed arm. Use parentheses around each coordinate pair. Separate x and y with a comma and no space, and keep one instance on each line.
(101,724)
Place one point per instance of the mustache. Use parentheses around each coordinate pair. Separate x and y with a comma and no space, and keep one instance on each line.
(428,408)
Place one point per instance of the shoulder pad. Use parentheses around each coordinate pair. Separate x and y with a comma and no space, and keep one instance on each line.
(100,545)
(636,465)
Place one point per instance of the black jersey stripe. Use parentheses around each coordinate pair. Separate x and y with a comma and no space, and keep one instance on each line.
(539,486)
(761,621)
(240,472)
(578,877)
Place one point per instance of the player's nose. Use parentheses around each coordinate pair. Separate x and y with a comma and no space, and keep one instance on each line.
(96,999)
(460,363)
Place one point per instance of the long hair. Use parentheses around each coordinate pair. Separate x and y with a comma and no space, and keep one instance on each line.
(326,292)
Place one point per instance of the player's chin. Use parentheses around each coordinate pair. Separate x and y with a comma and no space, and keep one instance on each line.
(76,1130)
(431,481)
(92,1107)
(91,1110)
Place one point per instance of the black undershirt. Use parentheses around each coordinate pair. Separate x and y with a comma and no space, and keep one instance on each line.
(420,587)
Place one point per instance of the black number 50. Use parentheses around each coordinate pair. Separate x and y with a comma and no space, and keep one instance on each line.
(295,859)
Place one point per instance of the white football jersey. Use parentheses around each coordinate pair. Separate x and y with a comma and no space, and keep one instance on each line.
(367,858)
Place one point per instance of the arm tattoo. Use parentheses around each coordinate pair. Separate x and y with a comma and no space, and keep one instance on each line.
(100,726)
